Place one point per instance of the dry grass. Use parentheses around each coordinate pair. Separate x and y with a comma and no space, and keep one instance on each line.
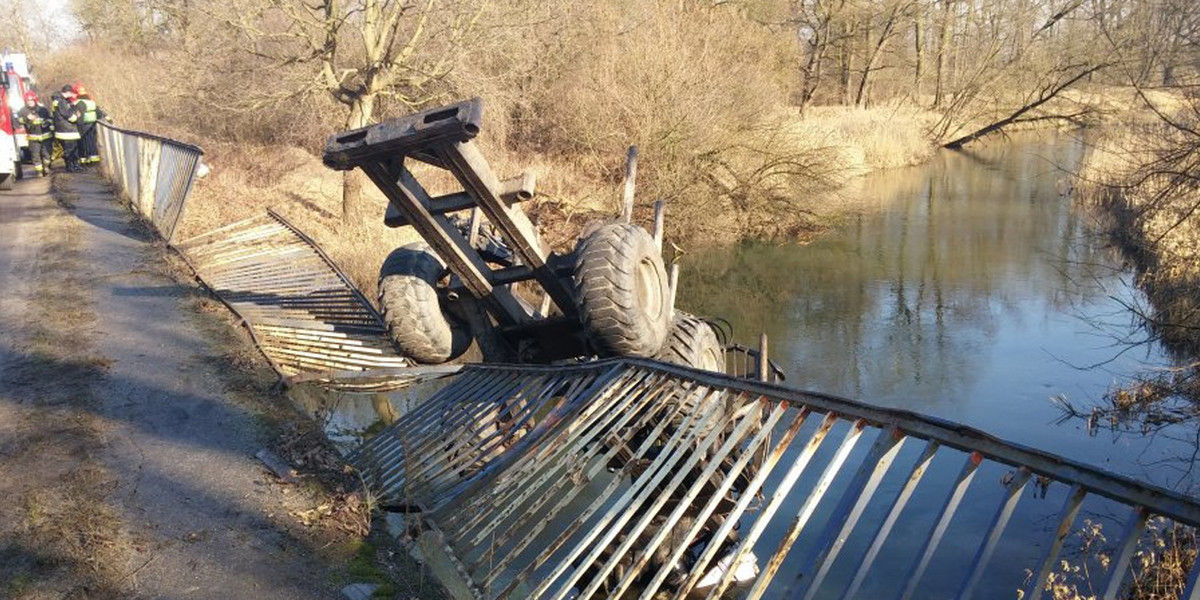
(1159,569)
(868,139)
(1140,176)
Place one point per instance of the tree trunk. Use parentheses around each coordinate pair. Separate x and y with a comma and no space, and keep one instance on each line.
(1046,96)
(846,63)
(354,209)
(940,83)
(919,47)
(811,69)
(874,51)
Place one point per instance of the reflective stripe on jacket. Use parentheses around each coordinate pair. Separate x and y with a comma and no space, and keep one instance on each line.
(36,121)
(89,110)
(65,117)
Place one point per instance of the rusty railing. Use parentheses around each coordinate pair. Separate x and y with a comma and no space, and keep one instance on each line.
(632,478)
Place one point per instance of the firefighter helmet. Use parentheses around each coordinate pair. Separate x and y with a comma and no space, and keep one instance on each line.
(68,91)
(80,91)
(31,96)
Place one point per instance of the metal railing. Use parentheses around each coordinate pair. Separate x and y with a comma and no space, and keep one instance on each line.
(632,478)
(302,311)
(155,174)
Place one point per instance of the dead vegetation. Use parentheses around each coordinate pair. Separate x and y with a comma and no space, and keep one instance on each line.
(1143,177)
(1159,567)
(737,139)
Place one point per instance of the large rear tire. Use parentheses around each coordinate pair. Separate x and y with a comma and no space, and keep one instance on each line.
(693,343)
(408,295)
(622,290)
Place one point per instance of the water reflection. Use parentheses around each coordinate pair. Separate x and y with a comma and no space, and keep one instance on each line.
(968,288)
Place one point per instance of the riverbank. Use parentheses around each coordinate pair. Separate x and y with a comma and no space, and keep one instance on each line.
(1141,177)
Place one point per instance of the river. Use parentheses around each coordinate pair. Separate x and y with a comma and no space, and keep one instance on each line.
(967,288)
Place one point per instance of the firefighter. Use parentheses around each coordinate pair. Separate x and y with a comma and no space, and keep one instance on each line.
(88,152)
(66,128)
(38,125)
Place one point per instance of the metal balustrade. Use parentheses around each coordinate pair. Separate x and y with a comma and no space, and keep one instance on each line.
(632,478)
(155,174)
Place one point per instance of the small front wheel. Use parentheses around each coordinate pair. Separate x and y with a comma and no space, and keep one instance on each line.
(412,310)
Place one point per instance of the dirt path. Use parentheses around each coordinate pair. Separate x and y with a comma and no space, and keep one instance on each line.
(127,466)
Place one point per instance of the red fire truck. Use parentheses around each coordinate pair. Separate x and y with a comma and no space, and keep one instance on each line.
(10,151)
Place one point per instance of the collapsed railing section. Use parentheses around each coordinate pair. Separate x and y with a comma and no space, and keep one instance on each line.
(303,313)
(155,174)
(632,478)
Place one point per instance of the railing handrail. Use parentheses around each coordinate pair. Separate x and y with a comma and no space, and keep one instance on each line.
(1120,488)
(152,136)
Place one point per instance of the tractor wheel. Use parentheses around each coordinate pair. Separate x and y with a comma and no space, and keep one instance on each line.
(622,290)
(693,343)
(408,294)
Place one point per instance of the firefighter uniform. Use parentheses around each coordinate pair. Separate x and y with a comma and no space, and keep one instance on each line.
(66,128)
(89,153)
(38,125)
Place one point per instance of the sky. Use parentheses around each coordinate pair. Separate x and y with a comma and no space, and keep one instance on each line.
(52,20)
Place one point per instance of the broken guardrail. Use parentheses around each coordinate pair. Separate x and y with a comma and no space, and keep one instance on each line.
(303,313)
(632,478)
(154,173)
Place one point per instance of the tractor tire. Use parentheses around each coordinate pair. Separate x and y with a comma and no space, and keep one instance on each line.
(621,287)
(408,295)
(693,343)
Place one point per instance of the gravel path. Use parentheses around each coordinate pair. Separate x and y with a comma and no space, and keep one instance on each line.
(189,512)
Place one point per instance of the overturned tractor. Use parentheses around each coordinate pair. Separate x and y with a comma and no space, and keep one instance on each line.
(611,296)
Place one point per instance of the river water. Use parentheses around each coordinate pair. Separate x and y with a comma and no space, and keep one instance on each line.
(967,288)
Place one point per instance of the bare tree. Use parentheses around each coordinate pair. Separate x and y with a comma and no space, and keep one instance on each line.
(359,51)
(886,27)
(814,22)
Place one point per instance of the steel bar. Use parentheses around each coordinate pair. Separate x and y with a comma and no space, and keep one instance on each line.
(1067,519)
(1116,487)
(509,494)
(659,498)
(854,501)
(806,511)
(647,411)
(601,534)
(1134,528)
(930,544)
(897,507)
(1015,487)
(781,491)
(646,445)
(761,439)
